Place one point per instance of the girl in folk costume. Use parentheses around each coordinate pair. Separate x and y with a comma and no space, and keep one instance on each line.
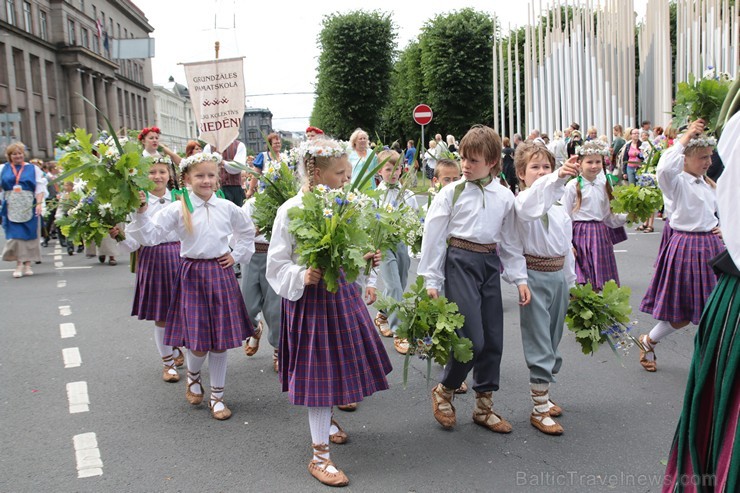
(394,269)
(546,232)
(330,353)
(149,138)
(206,314)
(683,279)
(587,201)
(157,265)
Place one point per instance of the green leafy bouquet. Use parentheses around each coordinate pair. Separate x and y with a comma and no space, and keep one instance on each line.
(599,317)
(89,220)
(277,183)
(638,201)
(66,142)
(429,325)
(701,98)
(330,228)
(114,168)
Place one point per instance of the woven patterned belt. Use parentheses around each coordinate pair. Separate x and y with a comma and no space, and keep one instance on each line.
(261,247)
(471,246)
(544,264)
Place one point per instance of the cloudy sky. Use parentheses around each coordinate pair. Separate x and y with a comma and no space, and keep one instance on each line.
(278,40)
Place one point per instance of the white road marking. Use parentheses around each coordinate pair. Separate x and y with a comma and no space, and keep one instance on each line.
(77,397)
(57,257)
(88,455)
(58,264)
(67,330)
(62,284)
(620,251)
(65,310)
(73,268)
(72,358)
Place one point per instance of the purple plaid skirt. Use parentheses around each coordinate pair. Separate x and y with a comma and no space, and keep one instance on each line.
(617,235)
(595,262)
(330,353)
(683,279)
(156,272)
(664,239)
(207,311)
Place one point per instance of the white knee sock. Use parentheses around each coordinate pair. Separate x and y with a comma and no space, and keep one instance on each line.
(159,341)
(661,330)
(217,375)
(319,420)
(195,363)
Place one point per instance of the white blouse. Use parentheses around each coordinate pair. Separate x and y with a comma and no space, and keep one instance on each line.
(693,201)
(213,221)
(249,209)
(470,220)
(551,237)
(594,204)
(155,204)
(283,273)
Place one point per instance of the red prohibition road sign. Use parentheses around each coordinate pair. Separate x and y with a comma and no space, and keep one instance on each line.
(422,114)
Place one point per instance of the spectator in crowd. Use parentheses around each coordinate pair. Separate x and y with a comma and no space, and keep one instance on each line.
(359,141)
(558,148)
(508,164)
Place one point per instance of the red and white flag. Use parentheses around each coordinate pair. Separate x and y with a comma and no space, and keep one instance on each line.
(100,28)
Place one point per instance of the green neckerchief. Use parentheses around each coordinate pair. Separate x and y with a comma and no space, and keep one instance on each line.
(220,194)
(183,192)
(391,186)
(480,183)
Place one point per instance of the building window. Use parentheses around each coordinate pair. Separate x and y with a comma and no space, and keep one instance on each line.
(82,5)
(10,11)
(51,80)
(41,130)
(20,69)
(27,20)
(43,25)
(35,74)
(85,35)
(3,63)
(71,32)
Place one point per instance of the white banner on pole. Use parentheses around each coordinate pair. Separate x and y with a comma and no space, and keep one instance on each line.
(217,92)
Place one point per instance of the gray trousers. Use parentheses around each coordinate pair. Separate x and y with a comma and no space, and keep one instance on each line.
(542,324)
(394,270)
(473,281)
(260,297)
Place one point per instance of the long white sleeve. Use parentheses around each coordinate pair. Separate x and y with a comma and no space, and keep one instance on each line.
(533,202)
(284,275)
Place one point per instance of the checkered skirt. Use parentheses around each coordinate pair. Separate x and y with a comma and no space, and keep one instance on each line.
(330,353)
(617,235)
(156,272)
(595,262)
(665,237)
(683,279)
(207,312)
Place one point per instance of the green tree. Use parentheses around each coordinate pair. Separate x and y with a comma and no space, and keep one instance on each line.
(406,91)
(354,71)
(457,70)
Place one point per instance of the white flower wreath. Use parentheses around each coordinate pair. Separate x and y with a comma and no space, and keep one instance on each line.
(201,157)
(702,141)
(593,147)
(316,149)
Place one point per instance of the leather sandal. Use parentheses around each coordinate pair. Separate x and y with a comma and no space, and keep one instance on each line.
(381,322)
(537,418)
(462,389)
(167,375)
(401,345)
(482,416)
(224,413)
(253,343)
(647,347)
(340,436)
(112,261)
(319,465)
(191,396)
(276,360)
(180,358)
(348,407)
(648,229)
(444,411)
(555,410)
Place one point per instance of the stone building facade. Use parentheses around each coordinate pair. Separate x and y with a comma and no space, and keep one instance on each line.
(55,52)
(174,115)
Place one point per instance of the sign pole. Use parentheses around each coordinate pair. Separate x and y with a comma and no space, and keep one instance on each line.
(422,115)
(422,154)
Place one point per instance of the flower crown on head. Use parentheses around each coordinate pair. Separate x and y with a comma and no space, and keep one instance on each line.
(702,141)
(323,148)
(146,130)
(201,157)
(593,147)
(162,160)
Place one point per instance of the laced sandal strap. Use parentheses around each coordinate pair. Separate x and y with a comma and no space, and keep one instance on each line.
(194,379)
(539,393)
(168,360)
(319,452)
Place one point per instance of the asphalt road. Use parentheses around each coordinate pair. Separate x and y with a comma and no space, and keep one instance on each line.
(130,431)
